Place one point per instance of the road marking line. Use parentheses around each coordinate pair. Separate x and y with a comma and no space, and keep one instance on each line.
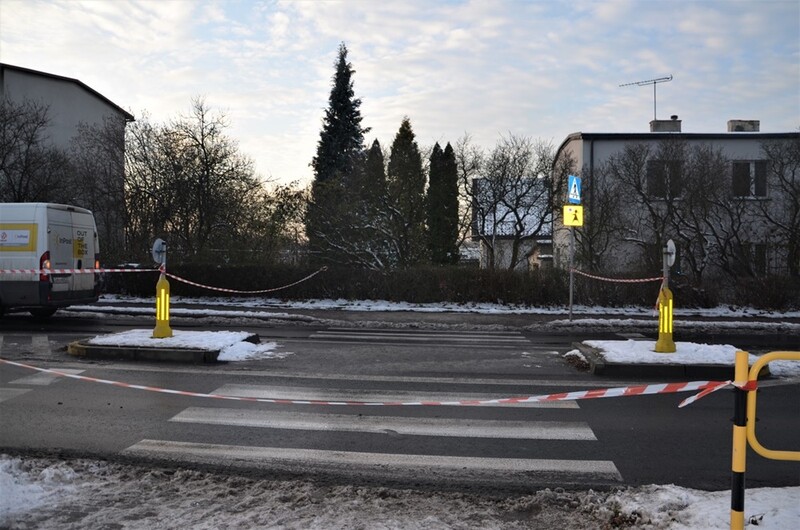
(43,378)
(552,383)
(342,395)
(217,453)
(11,393)
(40,344)
(530,430)
(466,338)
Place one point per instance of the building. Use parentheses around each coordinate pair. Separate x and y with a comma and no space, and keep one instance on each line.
(70,102)
(729,206)
(511,222)
(72,108)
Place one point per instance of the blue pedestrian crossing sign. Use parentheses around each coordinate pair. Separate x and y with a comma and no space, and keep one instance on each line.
(574,189)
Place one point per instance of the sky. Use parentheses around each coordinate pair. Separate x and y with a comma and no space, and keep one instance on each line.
(542,69)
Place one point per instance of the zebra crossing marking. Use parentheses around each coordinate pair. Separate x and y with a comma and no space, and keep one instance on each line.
(343,395)
(11,393)
(499,339)
(44,378)
(265,456)
(451,427)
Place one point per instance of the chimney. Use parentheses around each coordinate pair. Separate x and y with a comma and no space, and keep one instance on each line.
(744,125)
(671,125)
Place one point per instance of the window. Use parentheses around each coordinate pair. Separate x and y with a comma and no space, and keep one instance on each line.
(664,178)
(749,178)
(755,257)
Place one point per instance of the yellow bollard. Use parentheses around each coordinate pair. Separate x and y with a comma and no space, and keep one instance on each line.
(664,344)
(162,329)
(739,453)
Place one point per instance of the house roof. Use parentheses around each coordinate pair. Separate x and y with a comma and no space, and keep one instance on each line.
(127,115)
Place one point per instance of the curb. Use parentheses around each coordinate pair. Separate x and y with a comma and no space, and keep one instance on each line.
(142,353)
(599,365)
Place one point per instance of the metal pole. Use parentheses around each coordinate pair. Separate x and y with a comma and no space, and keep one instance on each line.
(654,100)
(571,268)
(738,461)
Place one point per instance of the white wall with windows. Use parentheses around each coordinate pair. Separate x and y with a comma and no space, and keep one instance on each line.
(746,187)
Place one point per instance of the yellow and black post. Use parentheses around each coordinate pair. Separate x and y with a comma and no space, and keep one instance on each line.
(738,463)
(665,344)
(162,329)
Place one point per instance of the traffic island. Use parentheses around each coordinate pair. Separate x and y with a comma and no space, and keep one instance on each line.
(639,359)
(194,347)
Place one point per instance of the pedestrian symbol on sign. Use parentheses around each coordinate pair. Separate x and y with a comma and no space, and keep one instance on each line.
(574,189)
(573,215)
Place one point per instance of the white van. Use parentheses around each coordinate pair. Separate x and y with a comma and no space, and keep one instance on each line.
(46,236)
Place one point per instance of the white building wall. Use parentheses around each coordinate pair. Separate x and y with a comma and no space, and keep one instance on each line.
(69,104)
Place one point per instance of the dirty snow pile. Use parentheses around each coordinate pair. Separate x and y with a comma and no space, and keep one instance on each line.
(52,494)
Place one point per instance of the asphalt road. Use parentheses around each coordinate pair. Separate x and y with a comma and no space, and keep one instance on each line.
(592,443)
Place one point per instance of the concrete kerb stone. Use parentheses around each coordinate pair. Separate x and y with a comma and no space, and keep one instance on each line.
(147,353)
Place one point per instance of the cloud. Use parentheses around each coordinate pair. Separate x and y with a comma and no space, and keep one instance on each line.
(544,69)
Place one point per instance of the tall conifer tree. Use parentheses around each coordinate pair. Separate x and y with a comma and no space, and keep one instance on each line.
(442,206)
(340,156)
(406,187)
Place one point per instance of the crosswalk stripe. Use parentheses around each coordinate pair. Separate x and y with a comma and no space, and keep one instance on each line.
(424,336)
(429,332)
(265,456)
(338,395)
(11,393)
(497,339)
(40,344)
(533,430)
(343,377)
(43,378)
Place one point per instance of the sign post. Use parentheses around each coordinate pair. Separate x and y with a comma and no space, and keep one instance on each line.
(572,217)
(162,329)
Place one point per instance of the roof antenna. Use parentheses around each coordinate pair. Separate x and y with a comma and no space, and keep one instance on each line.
(653,82)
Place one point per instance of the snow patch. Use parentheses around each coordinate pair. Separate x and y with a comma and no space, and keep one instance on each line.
(232,345)
(686,353)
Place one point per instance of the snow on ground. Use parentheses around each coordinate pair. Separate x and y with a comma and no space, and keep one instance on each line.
(231,344)
(487,308)
(686,353)
(55,494)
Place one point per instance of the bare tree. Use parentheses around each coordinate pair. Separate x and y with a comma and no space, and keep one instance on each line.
(683,192)
(97,181)
(31,169)
(603,202)
(509,192)
(783,212)
(188,182)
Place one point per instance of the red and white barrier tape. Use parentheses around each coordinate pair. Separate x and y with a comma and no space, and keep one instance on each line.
(70,271)
(261,291)
(618,280)
(163,271)
(706,387)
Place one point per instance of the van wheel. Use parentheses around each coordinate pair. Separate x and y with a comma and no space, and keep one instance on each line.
(43,312)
